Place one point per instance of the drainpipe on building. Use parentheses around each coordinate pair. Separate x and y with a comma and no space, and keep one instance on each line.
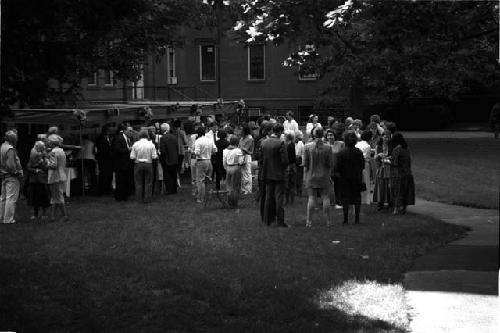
(218,12)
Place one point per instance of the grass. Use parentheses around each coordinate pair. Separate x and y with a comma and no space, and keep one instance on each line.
(173,266)
(457,171)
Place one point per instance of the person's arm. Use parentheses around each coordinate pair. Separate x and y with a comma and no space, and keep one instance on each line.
(197,149)
(11,162)
(133,155)
(154,154)
(240,157)
(224,158)
(283,154)
(395,156)
(339,160)
(52,162)
(306,159)
(214,147)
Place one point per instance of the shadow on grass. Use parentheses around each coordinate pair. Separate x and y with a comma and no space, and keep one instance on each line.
(171,266)
(66,297)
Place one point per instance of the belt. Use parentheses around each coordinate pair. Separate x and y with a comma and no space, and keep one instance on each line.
(203,159)
(233,165)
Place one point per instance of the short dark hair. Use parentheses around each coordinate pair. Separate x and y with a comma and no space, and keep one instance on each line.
(233,140)
(200,131)
(398,139)
(278,128)
(318,132)
(350,139)
(391,127)
(222,134)
(366,135)
(177,123)
(375,118)
(246,130)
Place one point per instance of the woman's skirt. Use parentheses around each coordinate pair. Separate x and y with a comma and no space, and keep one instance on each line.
(403,190)
(233,185)
(38,195)
(349,191)
(290,178)
(366,195)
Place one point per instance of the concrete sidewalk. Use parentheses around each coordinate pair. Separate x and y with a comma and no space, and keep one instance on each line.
(447,135)
(455,288)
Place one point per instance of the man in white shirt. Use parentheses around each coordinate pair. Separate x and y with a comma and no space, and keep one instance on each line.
(143,153)
(290,124)
(204,147)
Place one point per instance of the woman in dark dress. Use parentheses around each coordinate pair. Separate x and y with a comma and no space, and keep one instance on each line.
(349,170)
(38,191)
(402,185)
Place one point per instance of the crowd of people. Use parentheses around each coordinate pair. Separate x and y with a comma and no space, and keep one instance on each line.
(341,164)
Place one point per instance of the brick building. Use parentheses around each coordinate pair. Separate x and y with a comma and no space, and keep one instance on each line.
(254,73)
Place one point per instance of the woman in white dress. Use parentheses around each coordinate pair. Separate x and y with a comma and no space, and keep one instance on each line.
(365,148)
(311,125)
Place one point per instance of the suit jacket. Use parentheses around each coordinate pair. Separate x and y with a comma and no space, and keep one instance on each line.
(169,154)
(103,147)
(274,159)
(120,153)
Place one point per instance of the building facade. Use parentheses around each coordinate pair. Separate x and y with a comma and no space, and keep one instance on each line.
(254,73)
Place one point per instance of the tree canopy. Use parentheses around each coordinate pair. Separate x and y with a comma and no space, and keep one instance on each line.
(68,40)
(393,49)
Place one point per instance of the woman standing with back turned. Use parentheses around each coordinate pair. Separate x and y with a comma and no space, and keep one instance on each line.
(403,185)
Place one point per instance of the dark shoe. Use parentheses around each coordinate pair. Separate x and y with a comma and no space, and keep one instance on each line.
(283,225)
(344,223)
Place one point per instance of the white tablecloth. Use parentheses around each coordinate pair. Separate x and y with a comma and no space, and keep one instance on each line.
(71,173)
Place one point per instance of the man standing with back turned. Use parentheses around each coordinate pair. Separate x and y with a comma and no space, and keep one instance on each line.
(275,161)
(11,173)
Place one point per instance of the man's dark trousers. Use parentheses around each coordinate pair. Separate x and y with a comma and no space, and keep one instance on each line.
(170,178)
(275,191)
(143,176)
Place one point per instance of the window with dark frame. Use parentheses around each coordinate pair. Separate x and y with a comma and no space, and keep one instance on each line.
(92,80)
(108,78)
(207,62)
(171,61)
(256,62)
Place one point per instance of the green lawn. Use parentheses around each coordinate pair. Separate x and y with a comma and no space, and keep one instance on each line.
(457,171)
(173,266)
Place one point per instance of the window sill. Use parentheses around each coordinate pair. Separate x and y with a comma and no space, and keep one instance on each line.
(256,80)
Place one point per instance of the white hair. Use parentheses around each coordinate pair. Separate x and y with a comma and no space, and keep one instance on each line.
(165,127)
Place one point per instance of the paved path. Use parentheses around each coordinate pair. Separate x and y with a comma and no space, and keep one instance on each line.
(455,288)
(448,135)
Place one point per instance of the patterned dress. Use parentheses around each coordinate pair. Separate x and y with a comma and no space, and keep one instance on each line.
(402,183)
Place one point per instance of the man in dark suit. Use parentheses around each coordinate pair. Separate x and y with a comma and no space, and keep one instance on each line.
(104,160)
(274,163)
(121,163)
(169,158)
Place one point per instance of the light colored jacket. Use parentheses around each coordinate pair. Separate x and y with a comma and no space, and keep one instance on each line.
(57,166)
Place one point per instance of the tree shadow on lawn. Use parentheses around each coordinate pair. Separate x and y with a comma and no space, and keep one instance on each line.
(203,270)
(117,295)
